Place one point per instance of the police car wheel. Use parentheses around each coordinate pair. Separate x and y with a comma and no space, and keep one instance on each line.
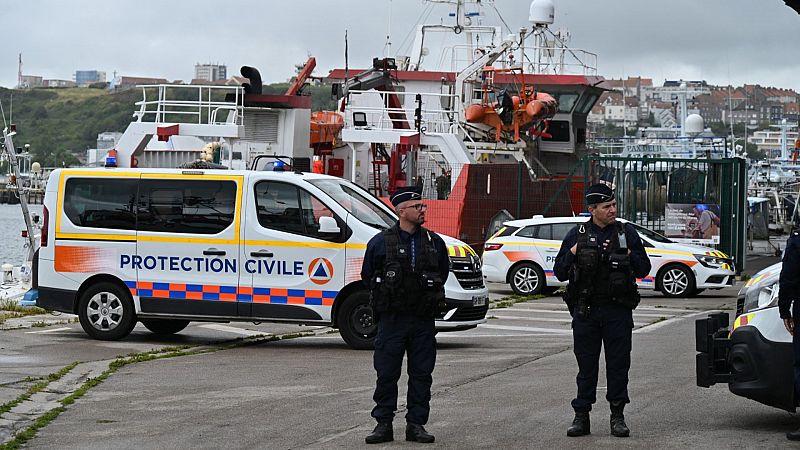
(676,281)
(106,311)
(527,279)
(165,326)
(356,321)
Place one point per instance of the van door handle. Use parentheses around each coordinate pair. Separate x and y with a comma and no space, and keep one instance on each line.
(214,252)
(261,254)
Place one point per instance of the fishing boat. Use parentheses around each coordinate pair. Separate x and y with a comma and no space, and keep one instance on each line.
(17,278)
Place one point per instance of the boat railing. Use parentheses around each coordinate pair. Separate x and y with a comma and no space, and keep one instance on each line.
(201,104)
(436,114)
(537,59)
(677,147)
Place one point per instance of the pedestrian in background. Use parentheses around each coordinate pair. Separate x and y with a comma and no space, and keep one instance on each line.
(601,259)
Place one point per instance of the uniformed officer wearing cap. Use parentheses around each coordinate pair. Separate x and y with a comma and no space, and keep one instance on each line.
(601,259)
(405,268)
(789,307)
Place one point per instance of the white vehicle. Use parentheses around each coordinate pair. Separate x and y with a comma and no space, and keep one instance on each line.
(522,253)
(170,246)
(755,358)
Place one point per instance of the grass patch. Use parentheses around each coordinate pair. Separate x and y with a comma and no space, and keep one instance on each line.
(744,277)
(10,309)
(38,387)
(505,302)
(166,352)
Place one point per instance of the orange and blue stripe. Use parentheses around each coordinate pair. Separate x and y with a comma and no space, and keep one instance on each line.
(210,292)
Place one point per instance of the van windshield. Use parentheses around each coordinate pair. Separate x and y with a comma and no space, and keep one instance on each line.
(358,202)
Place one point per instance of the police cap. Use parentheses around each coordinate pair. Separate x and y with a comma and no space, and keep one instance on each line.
(599,193)
(405,194)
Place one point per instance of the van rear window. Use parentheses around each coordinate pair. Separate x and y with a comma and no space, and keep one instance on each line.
(101,202)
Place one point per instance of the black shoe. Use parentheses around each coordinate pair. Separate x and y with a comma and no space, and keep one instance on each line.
(416,433)
(793,435)
(618,427)
(580,425)
(382,433)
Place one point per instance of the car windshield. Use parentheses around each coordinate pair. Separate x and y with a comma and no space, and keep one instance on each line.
(652,235)
(358,202)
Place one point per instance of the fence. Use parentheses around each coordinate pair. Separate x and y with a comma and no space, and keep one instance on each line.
(649,187)
(473,206)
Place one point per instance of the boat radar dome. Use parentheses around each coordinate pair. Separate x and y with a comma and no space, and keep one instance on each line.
(542,12)
(694,124)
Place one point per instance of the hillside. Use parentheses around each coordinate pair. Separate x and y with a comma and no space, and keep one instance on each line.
(60,124)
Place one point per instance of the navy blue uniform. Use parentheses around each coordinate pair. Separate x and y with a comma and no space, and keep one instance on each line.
(609,324)
(789,298)
(399,334)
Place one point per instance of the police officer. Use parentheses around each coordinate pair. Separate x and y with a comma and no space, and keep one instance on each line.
(601,259)
(789,307)
(405,267)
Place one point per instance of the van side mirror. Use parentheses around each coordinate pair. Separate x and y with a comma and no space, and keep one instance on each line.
(328,225)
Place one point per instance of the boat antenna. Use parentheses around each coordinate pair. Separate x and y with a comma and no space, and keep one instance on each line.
(346,70)
(3,113)
(388,45)
(500,16)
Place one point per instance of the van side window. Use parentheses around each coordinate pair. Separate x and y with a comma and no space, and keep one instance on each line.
(186,206)
(285,207)
(101,202)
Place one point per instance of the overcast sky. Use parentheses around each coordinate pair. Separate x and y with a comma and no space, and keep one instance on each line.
(721,41)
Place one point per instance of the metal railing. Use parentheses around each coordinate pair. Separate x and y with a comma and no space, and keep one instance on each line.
(661,147)
(440,119)
(536,59)
(167,103)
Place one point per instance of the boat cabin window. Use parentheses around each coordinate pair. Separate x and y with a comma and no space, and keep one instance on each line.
(559,130)
(186,206)
(566,102)
(101,202)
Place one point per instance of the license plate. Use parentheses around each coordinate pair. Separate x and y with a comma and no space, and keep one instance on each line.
(479,300)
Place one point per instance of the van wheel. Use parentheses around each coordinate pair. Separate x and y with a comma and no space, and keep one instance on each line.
(356,321)
(676,281)
(527,279)
(106,311)
(165,326)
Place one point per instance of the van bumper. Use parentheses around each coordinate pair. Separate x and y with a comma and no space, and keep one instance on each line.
(463,314)
(56,299)
(752,366)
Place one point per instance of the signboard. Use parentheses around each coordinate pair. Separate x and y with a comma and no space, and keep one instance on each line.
(696,223)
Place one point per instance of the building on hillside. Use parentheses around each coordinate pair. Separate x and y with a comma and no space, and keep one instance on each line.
(632,87)
(121,83)
(30,82)
(108,139)
(210,72)
(84,78)
(769,141)
(671,90)
(58,83)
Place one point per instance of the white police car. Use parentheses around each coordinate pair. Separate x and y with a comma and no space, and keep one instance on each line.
(522,253)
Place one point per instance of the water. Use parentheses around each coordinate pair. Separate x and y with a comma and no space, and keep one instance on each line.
(12,245)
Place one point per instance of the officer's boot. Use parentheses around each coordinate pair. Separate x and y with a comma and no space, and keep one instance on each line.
(618,427)
(416,433)
(382,433)
(580,425)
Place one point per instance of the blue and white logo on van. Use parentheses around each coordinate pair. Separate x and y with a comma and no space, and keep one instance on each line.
(320,271)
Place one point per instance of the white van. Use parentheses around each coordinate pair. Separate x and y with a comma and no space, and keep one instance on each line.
(755,358)
(170,246)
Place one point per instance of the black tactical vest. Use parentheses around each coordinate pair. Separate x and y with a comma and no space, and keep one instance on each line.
(605,274)
(397,287)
